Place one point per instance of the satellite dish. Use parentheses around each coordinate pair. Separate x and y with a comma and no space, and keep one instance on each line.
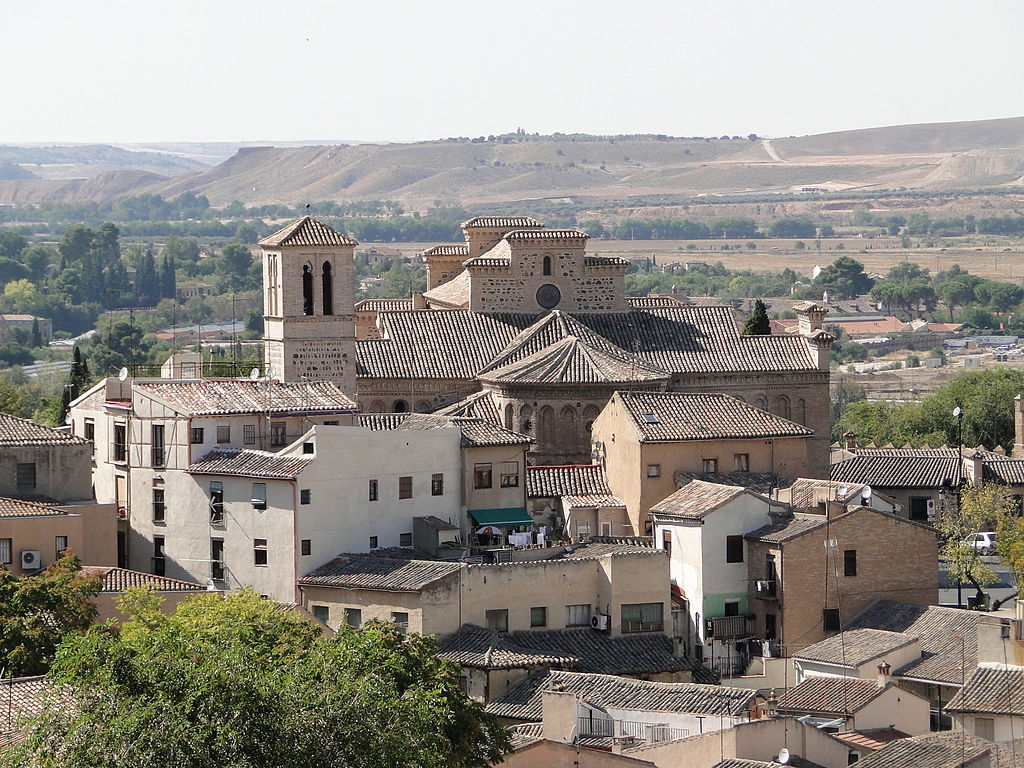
(122,374)
(842,491)
(254,374)
(270,372)
(783,756)
(67,419)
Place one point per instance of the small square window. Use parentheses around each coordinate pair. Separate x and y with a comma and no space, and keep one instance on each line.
(405,487)
(25,476)
(437,484)
(734,549)
(482,475)
(5,551)
(510,474)
(373,542)
(373,490)
(307,448)
(830,619)
(331,423)
(577,615)
(197,435)
(90,429)
(497,620)
(305,496)
(321,613)
(353,617)
(732,608)
(654,470)
(405,540)
(741,462)
(307,547)
(223,434)
(259,551)
(60,543)
(249,434)
(401,619)
(539,616)
(259,495)
(709,465)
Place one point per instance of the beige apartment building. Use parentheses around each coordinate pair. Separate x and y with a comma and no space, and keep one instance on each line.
(33,535)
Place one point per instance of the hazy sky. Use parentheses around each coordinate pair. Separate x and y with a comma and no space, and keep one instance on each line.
(234,70)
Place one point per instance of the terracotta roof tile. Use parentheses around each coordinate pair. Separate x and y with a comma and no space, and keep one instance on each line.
(829,696)
(233,396)
(364,571)
(22,508)
(806,492)
(526,733)
(758,482)
(15,431)
(20,697)
(501,221)
(696,500)
(476,431)
(120,579)
(383,305)
(672,416)
(453,249)
(897,469)
(569,480)
(992,688)
(786,528)
(871,738)
(250,463)
(591,500)
(855,646)
(522,701)
(453,294)
(306,231)
(573,361)
(546,234)
(952,749)
(480,405)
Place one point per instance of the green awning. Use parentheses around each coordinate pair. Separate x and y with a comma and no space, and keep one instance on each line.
(509,516)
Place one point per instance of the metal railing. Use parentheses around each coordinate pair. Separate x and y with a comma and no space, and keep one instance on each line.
(766,589)
(598,727)
(210,369)
(727,627)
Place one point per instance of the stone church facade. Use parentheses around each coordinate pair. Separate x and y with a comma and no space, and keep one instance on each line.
(522,327)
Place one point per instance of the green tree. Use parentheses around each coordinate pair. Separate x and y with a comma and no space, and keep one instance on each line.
(11,244)
(233,268)
(982,507)
(758,324)
(38,611)
(844,278)
(234,681)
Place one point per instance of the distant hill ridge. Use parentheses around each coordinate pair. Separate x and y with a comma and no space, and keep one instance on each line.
(978,153)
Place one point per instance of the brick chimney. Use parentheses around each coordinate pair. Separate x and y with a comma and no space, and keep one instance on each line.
(851,442)
(973,467)
(883,674)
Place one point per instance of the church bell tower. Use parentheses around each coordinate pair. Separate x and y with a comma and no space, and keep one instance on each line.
(308,304)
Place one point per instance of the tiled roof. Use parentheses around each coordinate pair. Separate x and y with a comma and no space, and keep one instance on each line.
(601,653)
(646,302)
(952,749)
(357,571)
(452,249)
(786,528)
(677,339)
(15,431)
(526,733)
(480,405)
(795,761)
(898,470)
(250,463)
(232,396)
(522,700)
(304,232)
(991,689)
(1007,472)
(948,636)
(829,696)
(871,738)
(501,221)
(671,416)
(573,361)
(855,646)
(475,431)
(696,500)
(478,431)
(758,482)
(807,491)
(453,293)
(605,261)
(546,234)
(383,305)
(569,480)
(480,648)
(120,579)
(21,508)
(613,547)
(20,697)
(592,500)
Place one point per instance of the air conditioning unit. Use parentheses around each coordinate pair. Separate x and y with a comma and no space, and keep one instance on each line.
(30,560)
(599,621)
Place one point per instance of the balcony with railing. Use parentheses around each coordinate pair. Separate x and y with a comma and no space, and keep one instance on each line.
(730,627)
(608,728)
(766,589)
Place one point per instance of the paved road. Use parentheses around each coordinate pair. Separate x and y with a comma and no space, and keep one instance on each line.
(1002,588)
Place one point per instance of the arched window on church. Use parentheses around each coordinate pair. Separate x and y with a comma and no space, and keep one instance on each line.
(526,424)
(400,407)
(327,284)
(547,265)
(307,289)
(782,406)
(546,428)
(377,406)
(801,411)
(589,414)
(422,406)
(509,413)
(761,402)
(569,430)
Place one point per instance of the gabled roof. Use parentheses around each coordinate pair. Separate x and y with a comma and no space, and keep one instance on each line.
(951,749)
(21,697)
(546,482)
(480,648)
(829,696)
(660,417)
(306,231)
(573,361)
(795,761)
(15,431)
(948,637)
(517,222)
(453,293)
(758,482)
(389,574)
(599,652)
(696,500)
(870,738)
(992,688)
(806,491)
(785,528)
(523,700)
(250,463)
(479,405)
(855,646)
(120,579)
(898,469)
(23,508)
(214,397)
(591,501)
(475,431)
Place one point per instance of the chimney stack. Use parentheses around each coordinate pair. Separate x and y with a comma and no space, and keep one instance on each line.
(883,674)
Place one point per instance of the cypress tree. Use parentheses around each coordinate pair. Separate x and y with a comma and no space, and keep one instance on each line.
(757,324)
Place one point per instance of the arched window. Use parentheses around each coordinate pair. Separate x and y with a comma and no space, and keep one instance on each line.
(307,289)
(526,424)
(762,402)
(422,406)
(547,265)
(509,413)
(400,407)
(589,414)
(377,406)
(328,289)
(801,411)
(782,406)
(546,428)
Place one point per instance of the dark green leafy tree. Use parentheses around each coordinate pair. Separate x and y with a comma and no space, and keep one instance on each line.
(758,324)
(11,244)
(38,611)
(844,278)
(234,682)
(147,284)
(168,283)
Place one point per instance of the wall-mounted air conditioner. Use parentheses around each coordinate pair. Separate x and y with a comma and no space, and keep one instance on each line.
(31,560)
(599,621)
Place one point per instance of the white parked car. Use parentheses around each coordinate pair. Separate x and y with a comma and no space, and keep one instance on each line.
(984,542)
